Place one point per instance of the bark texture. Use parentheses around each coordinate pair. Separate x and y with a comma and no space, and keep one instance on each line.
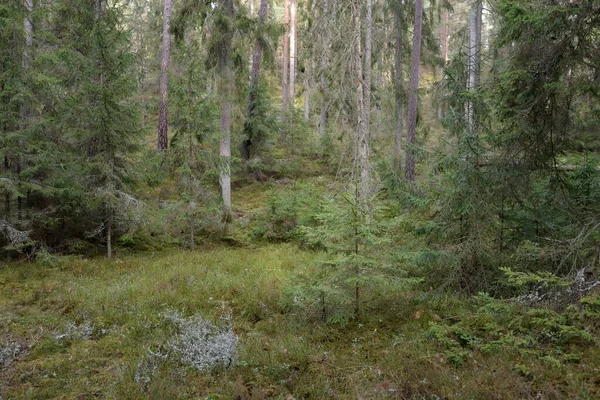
(292,84)
(415,66)
(285,64)
(324,61)
(363,102)
(226,94)
(399,89)
(163,129)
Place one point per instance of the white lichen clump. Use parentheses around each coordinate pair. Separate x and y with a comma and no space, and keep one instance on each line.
(202,344)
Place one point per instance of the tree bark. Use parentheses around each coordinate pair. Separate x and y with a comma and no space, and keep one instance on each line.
(254,81)
(473,62)
(307,94)
(324,60)
(399,89)
(364,148)
(163,129)
(285,65)
(226,89)
(109,226)
(292,84)
(363,98)
(444,36)
(415,66)
(24,117)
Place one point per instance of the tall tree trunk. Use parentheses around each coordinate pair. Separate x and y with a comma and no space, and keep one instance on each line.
(444,53)
(24,117)
(473,62)
(364,148)
(285,65)
(254,81)
(307,73)
(226,94)
(324,59)
(109,233)
(163,129)
(292,84)
(444,37)
(477,54)
(363,75)
(415,66)
(399,89)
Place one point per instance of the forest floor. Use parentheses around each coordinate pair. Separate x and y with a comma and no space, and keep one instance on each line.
(83,328)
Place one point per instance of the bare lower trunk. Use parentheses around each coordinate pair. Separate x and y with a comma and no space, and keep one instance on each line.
(363,99)
(415,65)
(246,148)
(285,64)
(400,95)
(473,63)
(163,134)
(323,119)
(192,228)
(226,89)
(364,148)
(24,117)
(444,37)
(292,84)
(444,54)
(109,227)
(306,94)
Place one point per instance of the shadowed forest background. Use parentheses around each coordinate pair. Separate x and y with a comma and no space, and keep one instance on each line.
(291,199)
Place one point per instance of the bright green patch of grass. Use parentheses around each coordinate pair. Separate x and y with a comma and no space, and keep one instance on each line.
(392,350)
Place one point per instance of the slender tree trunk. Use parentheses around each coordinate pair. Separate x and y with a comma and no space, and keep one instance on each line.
(399,89)
(24,117)
(444,36)
(364,147)
(285,65)
(444,53)
(6,192)
(479,22)
(250,14)
(415,66)
(109,229)
(307,94)
(292,84)
(363,75)
(254,81)
(226,89)
(473,63)
(324,59)
(163,129)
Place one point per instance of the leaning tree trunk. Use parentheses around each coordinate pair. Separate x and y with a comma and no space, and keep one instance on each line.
(226,89)
(292,84)
(285,65)
(399,89)
(254,81)
(415,65)
(163,130)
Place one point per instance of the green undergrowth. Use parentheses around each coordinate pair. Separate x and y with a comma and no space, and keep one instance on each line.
(88,328)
